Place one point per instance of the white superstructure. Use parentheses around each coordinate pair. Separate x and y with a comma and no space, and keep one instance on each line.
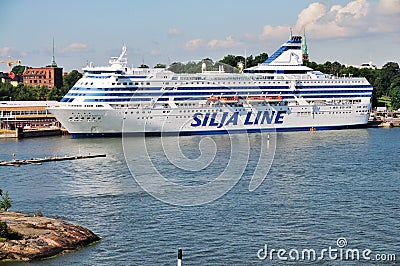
(280,94)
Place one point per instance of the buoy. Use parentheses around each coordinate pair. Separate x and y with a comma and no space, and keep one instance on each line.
(179,257)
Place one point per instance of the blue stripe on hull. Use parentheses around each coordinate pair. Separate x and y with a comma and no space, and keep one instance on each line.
(215,132)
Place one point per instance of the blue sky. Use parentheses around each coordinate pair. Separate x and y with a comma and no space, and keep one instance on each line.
(159,31)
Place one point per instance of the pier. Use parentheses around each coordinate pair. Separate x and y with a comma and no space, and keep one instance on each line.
(49,159)
(384,118)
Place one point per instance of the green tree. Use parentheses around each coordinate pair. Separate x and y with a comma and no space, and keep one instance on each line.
(23,93)
(176,67)
(160,66)
(7,233)
(233,60)
(258,59)
(230,60)
(311,64)
(3,230)
(387,73)
(394,92)
(5,202)
(55,94)
(40,92)
(18,70)
(336,67)
(5,91)
(70,79)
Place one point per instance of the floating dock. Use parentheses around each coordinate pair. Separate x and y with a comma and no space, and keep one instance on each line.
(49,159)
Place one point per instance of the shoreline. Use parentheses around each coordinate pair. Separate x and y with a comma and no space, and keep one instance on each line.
(42,237)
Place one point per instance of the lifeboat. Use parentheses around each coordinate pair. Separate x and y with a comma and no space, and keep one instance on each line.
(274,98)
(256,99)
(265,98)
(223,99)
(213,98)
(233,99)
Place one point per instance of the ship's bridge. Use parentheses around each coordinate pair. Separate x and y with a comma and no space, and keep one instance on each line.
(288,59)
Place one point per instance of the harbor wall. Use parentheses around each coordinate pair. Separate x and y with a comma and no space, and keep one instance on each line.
(20,133)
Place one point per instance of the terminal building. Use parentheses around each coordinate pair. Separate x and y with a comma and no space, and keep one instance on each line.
(26,114)
(368,65)
(27,119)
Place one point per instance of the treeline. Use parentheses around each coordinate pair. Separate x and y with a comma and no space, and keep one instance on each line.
(229,63)
(386,81)
(24,92)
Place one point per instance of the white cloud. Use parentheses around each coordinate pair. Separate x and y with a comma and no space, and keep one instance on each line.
(174,31)
(5,51)
(194,44)
(353,11)
(339,21)
(213,44)
(310,15)
(227,43)
(74,48)
(386,17)
(357,18)
(155,52)
(321,22)
(389,7)
(278,32)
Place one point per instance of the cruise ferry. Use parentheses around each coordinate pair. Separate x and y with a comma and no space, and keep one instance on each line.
(280,94)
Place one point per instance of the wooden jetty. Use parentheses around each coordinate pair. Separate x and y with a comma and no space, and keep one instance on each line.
(49,159)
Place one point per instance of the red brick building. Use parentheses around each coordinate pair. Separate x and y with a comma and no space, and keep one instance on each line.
(50,76)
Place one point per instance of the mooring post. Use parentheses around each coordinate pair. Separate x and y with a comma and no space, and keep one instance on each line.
(179,257)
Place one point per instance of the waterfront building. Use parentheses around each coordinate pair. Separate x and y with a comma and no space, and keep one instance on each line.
(368,65)
(10,78)
(49,76)
(26,114)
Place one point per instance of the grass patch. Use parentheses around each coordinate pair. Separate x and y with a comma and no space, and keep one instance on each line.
(385,101)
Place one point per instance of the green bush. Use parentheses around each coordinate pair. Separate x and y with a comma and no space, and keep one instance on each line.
(8,234)
(3,229)
(5,202)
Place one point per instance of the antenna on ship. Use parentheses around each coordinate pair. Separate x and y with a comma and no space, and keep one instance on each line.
(245,58)
(291,33)
(169,59)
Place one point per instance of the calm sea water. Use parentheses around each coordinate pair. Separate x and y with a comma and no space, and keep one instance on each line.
(321,186)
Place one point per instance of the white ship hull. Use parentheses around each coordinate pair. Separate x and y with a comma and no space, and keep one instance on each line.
(113,122)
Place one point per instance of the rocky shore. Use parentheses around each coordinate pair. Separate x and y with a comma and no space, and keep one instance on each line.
(41,237)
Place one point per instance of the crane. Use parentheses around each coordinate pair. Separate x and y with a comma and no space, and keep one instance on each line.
(11,62)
